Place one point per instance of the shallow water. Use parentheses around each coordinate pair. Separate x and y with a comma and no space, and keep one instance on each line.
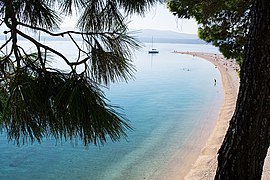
(172,100)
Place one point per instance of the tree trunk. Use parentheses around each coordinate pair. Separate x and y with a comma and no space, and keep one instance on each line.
(242,154)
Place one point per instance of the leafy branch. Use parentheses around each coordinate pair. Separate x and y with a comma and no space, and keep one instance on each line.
(38,100)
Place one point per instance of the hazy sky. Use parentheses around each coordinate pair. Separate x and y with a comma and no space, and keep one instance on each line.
(160,18)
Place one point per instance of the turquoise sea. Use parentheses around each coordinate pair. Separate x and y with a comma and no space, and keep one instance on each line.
(172,105)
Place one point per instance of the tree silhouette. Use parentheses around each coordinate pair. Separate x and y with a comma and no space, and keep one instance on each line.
(38,100)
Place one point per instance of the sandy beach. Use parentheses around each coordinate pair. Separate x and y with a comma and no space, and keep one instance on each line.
(205,166)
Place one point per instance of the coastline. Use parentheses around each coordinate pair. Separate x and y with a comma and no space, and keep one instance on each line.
(205,166)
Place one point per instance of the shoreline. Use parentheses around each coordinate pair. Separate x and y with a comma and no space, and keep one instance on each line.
(205,166)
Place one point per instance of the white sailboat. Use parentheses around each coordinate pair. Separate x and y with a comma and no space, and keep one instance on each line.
(153,50)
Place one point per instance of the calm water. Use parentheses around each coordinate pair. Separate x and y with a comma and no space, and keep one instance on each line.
(172,100)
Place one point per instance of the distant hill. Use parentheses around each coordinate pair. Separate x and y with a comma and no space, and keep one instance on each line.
(144,35)
(159,36)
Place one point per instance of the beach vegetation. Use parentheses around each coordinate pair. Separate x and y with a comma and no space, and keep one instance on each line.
(246,143)
(39,100)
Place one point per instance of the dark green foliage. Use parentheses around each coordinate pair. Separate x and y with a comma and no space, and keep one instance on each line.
(38,100)
(225,24)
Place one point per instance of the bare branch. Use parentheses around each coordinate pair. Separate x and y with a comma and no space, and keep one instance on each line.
(45,47)
(10,38)
(76,44)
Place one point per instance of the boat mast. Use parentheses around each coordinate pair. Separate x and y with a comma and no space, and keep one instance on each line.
(152,42)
